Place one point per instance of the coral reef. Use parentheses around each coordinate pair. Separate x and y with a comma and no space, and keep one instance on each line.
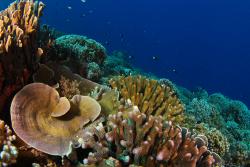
(217,142)
(133,138)
(8,152)
(228,119)
(18,28)
(150,96)
(117,64)
(134,121)
(84,56)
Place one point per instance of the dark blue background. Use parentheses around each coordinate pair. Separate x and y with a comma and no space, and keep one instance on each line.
(207,42)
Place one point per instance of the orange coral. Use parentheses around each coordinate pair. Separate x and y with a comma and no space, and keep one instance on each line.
(150,96)
(18,48)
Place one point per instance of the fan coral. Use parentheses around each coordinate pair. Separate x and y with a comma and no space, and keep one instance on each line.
(8,152)
(133,138)
(151,97)
(39,115)
(18,27)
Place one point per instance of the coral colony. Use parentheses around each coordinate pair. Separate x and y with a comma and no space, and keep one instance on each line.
(68,103)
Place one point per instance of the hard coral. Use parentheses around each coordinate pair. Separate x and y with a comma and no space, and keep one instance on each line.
(150,96)
(134,138)
(217,142)
(8,152)
(47,122)
(18,47)
(77,52)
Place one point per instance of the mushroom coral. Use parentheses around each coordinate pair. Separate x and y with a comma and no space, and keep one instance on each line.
(19,52)
(48,122)
(150,96)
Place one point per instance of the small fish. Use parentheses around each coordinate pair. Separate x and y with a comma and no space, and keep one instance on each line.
(69,7)
(155,58)
(107,43)
(83,1)
(121,35)
(130,57)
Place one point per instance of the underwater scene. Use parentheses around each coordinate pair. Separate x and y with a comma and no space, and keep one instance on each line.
(133,83)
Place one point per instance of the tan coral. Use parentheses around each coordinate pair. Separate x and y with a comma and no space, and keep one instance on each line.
(8,152)
(150,96)
(69,88)
(41,118)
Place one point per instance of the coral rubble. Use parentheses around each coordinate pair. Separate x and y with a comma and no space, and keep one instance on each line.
(18,27)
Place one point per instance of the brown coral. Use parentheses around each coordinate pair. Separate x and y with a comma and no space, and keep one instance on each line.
(18,48)
(8,152)
(44,120)
(69,88)
(150,96)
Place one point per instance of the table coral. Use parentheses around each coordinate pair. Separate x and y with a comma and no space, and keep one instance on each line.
(8,152)
(150,96)
(18,47)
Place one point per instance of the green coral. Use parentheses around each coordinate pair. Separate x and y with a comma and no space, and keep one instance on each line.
(82,55)
(229,120)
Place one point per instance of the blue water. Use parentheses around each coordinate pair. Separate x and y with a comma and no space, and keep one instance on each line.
(196,43)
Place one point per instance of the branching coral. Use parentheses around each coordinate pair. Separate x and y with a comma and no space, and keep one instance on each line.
(8,152)
(151,97)
(133,138)
(18,47)
(69,88)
